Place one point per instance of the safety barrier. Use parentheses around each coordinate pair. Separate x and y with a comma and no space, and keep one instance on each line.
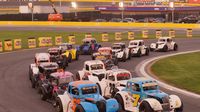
(99,24)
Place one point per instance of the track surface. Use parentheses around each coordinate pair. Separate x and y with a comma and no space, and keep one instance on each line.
(16,94)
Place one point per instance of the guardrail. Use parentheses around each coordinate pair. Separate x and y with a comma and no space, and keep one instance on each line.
(99,24)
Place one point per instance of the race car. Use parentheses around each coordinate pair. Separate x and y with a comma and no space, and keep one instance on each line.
(93,70)
(83,96)
(69,51)
(39,58)
(105,55)
(89,46)
(138,48)
(55,56)
(43,72)
(143,95)
(114,81)
(121,52)
(56,84)
(164,44)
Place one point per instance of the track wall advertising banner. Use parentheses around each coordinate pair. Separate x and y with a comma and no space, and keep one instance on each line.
(105,37)
(58,40)
(145,34)
(72,39)
(189,32)
(130,35)
(1,46)
(118,36)
(88,35)
(45,41)
(31,42)
(8,45)
(17,43)
(171,33)
(158,33)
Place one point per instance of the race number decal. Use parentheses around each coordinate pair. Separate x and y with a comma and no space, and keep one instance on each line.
(136,97)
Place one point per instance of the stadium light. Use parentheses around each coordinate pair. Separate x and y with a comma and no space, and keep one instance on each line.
(74,5)
(121,6)
(171,5)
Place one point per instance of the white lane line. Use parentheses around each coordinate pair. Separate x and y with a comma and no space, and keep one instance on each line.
(141,70)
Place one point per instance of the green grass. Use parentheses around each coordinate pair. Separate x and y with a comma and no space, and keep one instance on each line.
(24,35)
(182,71)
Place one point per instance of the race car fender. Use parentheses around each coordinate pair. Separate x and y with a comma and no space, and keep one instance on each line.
(93,78)
(103,86)
(153,45)
(120,88)
(34,69)
(89,107)
(135,50)
(120,54)
(81,74)
(173,43)
(124,96)
(127,51)
(112,105)
(78,48)
(66,54)
(73,52)
(175,101)
(155,104)
(65,100)
(161,46)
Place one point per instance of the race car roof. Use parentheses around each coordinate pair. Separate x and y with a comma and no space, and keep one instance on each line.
(61,75)
(65,44)
(42,56)
(136,41)
(49,65)
(141,80)
(81,84)
(92,62)
(165,38)
(116,71)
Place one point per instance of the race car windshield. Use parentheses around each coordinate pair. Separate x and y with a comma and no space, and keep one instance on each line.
(133,43)
(161,40)
(41,61)
(96,67)
(65,80)
(116,47)
(53,53)
(89,90)
(123,76)
(149,87)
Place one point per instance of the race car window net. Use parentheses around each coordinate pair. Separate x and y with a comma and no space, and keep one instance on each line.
(123,76)
(135,87)
(75,91)
(89,90)
(96,67)
(133,43)
(161,40)
(116,47)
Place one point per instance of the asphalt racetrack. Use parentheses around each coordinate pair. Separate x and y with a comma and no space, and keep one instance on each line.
(16,94)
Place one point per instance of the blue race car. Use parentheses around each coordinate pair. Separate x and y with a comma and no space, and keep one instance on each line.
(143,95)
(89,46)
(84,96)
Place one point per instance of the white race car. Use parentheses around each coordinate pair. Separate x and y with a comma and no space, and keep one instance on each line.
(138,48)
(121,52)
(114,81)
(164,44)
(143,95)
(93,70)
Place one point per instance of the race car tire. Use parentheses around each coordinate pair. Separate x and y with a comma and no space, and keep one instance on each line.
(33,83)
(180,109)
(124,57)
(78,76)
(145,107)
(100,92)
(129,55)
(90,51)
(101,105)
(58,106)
(43,95)
(115,61)
(120,101)
(151,49)
(79,108)
(65,61)
(175,47)
(165,48)
(114,92)
(139,53)
(77,55)
(147,52)
(70,58)
(93,58)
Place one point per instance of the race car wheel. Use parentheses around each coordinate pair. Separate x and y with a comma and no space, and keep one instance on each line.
(100,92)
(120,101)
(43,95)
(58,106)
(116,61)
(90,51)
(175,47)
(124,57)
(180,109)
(70,58)
(165,48)
(79,108)
(78,76)
(145,107)
(139,53)
(33,83)
(114,92)
(147,52)
(65,61)
(129,55)
(101,105)
(77,55)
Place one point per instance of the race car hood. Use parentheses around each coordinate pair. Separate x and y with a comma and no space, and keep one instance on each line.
(156,94)
(98,71)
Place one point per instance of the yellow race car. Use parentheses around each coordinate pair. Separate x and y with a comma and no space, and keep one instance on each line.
(69,51)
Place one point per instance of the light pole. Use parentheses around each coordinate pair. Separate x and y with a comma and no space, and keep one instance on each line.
(74,5)
(121,5)
(171,5)
(30,5)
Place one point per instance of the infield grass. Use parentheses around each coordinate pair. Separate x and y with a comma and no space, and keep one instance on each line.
(182,71)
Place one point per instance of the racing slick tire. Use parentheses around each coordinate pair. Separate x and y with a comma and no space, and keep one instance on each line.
(175,47)
(124,57)
(165,48)
(70,58)
(120,101)
(114,92)
(100,92)
(33,83)
(180,109)
(58,105)
(129,55)
(77,55)
(43,95)
(65,61)
(101,105)
(139,53)
(145,107)
(79,108)
(115,61)
(147,52)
